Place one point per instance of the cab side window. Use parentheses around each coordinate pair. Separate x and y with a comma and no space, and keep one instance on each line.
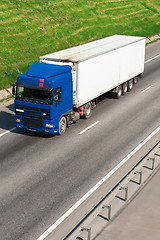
(58,94)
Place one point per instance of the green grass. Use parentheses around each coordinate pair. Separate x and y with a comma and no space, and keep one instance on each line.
(7,99)
(31,28)
(158,39)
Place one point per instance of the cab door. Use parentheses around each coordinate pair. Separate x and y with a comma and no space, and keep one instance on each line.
(58,102)
(62,96)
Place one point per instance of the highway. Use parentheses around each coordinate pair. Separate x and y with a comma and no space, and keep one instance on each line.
(43,176)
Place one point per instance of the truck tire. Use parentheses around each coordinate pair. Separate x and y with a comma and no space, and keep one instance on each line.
(124,88)
(134,80)
(87,110)
(62,125)
(130,85)
(118,91)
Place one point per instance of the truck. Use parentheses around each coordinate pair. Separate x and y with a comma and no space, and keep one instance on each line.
(64,86)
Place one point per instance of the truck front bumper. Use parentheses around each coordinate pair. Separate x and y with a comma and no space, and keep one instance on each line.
(36,124)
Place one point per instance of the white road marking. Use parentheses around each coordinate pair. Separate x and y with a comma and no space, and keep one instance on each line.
(86,129)
(152,59)
(10,130)
(77,204)
(147,88)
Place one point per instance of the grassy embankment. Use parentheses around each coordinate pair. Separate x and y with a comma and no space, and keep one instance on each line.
(31,28)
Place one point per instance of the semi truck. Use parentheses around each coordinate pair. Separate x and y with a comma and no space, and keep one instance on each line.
(64,86)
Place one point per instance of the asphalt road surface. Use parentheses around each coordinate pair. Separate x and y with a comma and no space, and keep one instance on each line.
(42,176)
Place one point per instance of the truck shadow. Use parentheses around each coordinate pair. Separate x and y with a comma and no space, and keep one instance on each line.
(11,107)
(34,134)
(108,95)
(6,120)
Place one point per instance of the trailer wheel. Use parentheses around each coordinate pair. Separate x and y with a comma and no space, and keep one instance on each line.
(62,125)
(87,110)
(124,88)
(118,91)
(134,80)
(130,85)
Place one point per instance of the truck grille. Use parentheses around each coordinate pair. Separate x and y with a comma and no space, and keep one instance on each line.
(33,111)
(32,122)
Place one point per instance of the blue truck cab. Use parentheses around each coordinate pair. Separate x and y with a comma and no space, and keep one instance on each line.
(44,98)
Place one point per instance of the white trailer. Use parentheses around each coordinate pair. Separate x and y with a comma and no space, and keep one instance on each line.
(103,65)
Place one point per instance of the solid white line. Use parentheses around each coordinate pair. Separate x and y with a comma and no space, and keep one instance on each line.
(147,88)
(10,130)
(86,129)
(77,204)
(152,59)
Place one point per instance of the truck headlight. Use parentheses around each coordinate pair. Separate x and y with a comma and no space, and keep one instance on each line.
(49,125)
(18,120)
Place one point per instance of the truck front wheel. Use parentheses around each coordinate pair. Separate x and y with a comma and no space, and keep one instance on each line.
(62,125)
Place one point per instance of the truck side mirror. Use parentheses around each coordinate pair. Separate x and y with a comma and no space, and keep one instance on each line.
(56,98)
(13,89)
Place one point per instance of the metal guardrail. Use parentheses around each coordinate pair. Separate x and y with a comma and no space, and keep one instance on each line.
(120,195)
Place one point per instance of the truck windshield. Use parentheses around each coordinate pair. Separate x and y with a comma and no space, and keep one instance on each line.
(34,95)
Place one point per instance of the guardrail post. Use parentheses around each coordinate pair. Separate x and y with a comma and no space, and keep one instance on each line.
(153,161)
(88,229)
(126,192)
(140,176)
(109,210)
